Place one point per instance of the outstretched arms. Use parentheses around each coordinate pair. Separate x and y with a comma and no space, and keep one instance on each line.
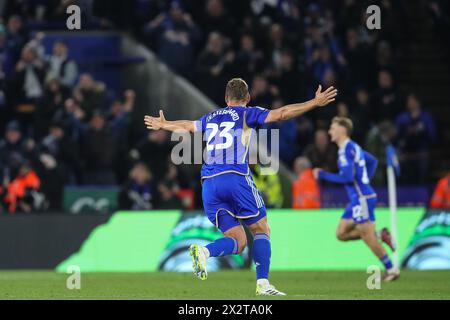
(156,123)
(296,109)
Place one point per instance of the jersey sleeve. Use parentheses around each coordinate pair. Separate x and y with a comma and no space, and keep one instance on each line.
(371,164)
(346,163)
(255,116)
(200,124)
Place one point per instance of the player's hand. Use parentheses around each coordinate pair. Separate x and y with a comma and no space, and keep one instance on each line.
(316,172)
(326,97)
(155,123)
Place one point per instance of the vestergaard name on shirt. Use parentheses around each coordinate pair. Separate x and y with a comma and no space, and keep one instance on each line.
(233,113)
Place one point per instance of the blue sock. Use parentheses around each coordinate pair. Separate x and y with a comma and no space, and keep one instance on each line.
(261,255)
(222,247)
(386,261)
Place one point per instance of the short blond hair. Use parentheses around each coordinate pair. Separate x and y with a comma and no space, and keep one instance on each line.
(345,122)
(236,90)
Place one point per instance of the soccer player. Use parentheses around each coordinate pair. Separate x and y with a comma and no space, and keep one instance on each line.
(228,191)
(356,168)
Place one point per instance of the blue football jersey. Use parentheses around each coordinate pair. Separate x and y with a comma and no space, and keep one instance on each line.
(356,167)
(228,132)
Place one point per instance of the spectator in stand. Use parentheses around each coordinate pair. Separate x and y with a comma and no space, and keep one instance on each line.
(99,152)
(268,183)
(378,138)
(249,59)
(262,93)
(322,153)
(27,84)
(138,192)
(288,135)
(359,55)
(90,94)
(7,59)
(305,189)
(23,191)
(61,67)
(53,100)
(416,132)
(65,151)
(287,78)
(12,148)
(441,195)
(168,190)
(217,19)
(177,36)
(214,67)
(305,133)
(53,176)
(119,122)
(361,113)
(386,97)
(276,46)
(384,58)
(154,149)
(16,37)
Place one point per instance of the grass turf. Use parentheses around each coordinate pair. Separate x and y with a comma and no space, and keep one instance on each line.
(221,285)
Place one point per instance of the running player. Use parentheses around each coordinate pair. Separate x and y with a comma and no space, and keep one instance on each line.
(228,191)
(356,168)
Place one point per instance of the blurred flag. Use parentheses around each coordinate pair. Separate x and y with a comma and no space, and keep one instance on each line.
(392,159)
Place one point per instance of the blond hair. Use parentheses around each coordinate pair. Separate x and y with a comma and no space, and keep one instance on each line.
(345,122)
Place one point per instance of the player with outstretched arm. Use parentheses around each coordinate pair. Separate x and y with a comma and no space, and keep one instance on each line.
(228,191)
(356,168)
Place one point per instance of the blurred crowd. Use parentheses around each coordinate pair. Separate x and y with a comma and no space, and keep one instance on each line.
(284,49)
(63,126)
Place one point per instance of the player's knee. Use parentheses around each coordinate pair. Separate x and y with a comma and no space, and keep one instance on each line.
(260,227)
(242,243)
(340,235)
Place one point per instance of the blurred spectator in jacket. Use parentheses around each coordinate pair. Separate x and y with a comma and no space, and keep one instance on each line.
(287,136)
(61,67)
(15,39)
(23,191)
(64,150)
(416,132)
(305,189)
(269,186)
(249,59)
(361,113)
(386,97)
(321,152)
(287,78)
(177,36)
(441,195)
(217,19)
(168,190)
(53,100)
(154,149)
(378,138)
(27,83)
(12,148)
(99,151)
(90,94)
(262,92)
(138,192)
(214,67)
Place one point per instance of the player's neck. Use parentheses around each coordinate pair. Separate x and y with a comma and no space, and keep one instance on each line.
(342,142)
(236,104)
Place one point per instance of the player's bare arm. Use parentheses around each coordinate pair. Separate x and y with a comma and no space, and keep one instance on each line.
(157,123)
(297,109)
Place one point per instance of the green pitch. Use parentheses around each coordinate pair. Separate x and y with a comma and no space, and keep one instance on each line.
(220,285)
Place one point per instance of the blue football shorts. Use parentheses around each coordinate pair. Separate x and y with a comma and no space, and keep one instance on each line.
(361,210)
(230,197)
